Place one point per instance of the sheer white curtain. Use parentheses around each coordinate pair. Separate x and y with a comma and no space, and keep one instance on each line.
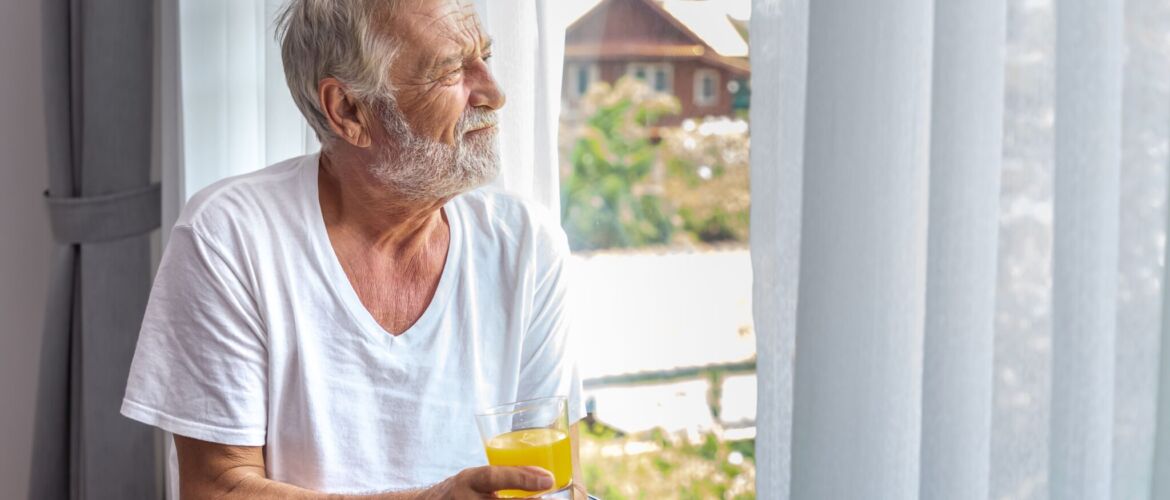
(958,240)
(225,108)
(527,54)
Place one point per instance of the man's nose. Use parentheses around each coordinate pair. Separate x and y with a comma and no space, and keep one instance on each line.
(486,93)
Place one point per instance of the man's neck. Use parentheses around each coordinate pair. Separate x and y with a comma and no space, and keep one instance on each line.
(357,205)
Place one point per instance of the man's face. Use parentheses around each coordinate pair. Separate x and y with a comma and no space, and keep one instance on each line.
(440,131)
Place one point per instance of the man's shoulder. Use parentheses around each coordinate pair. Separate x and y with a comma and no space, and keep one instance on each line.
(245,196)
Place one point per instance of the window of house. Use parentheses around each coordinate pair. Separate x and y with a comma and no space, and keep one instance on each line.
(662,78)
(659,75)
(639,71)
(706,87)
(579,77)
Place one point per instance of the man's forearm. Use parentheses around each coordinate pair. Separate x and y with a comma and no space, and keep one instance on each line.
(252,486)
(211,470)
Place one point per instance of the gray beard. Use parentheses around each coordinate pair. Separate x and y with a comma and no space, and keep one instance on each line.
(424,169)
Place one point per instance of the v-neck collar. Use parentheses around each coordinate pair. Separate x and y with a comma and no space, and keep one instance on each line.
(339,281)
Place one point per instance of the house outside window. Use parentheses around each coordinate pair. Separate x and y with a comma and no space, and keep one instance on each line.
(706,87)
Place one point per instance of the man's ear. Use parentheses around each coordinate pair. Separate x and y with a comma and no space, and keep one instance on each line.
(347,118)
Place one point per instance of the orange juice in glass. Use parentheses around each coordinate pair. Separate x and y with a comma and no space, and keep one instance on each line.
(532,433)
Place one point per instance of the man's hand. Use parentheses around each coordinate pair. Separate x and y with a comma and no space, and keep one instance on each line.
(482,482)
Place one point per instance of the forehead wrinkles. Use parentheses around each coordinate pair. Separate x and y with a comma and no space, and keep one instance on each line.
(469,22)
(454,21)
(438,33)
(465,33)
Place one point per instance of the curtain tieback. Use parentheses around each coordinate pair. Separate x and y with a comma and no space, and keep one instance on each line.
(108,217)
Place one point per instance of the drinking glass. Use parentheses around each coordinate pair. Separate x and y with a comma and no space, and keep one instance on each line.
(533,433)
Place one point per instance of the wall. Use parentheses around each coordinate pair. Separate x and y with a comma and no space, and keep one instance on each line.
(683,85)
(24,236)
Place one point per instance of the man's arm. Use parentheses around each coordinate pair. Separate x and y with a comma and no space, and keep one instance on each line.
(212,470)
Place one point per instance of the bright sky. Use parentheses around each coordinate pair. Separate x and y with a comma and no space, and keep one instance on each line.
(708,20)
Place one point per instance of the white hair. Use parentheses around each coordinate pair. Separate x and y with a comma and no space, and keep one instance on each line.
(335,38)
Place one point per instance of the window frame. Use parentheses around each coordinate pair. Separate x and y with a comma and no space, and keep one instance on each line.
(572,71)
(651,69)
(698,95)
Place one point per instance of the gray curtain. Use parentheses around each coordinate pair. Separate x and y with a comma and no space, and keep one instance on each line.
(98,88)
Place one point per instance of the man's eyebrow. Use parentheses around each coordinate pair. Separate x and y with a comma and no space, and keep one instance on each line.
(456,58)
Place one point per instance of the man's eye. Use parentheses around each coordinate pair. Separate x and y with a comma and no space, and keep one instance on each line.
(452,76)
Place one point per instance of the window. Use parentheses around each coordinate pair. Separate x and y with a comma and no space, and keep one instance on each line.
(654,200)
(662,79)
(706,87)
(660,76)
(579,77)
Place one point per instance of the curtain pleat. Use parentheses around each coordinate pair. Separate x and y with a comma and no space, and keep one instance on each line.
(51,463)
(966,153)
(1143,193)
(1084,308)
(236,114)
(858,386)
(286,134)
(777,117)
(1023,352)
(222,84)
(532,36)
(1160,473)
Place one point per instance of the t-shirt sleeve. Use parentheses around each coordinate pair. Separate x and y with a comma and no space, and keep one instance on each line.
(549,358)
(199,369)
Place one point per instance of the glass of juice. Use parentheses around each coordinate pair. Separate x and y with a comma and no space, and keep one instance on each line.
(533,433)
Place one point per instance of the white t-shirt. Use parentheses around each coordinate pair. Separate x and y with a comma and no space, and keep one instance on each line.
(254,336)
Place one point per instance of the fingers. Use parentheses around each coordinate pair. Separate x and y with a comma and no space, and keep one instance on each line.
(490,479)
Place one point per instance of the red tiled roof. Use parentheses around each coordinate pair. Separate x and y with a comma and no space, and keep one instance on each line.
(620,49)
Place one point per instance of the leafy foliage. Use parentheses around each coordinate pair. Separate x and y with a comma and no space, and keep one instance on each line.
(667,467)
(605,202)
(628,184)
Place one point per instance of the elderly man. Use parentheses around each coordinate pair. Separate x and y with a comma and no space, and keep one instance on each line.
(328,326)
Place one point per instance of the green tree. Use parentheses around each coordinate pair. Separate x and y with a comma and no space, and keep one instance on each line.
(606,199)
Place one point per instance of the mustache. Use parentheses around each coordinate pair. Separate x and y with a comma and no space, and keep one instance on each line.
(476,118)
